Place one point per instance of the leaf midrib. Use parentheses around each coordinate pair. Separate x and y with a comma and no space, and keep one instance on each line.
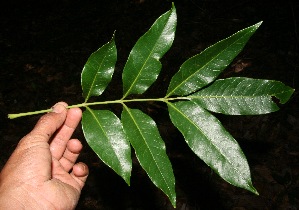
(153,157)
(184,81)
(215,146)
(150,55)
(236,96)
(225,96)
(103,130)
(94,79)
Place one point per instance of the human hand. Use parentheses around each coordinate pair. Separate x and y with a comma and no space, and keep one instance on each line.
(41,173)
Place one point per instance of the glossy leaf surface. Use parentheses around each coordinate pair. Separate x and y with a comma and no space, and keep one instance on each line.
(150,150)
(98,70)
(209,140)
(242,96)
(105,135)
(205,67)
(110,138)
(143,65)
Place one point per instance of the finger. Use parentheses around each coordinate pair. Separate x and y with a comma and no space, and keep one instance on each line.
(48,124)
(80,173)
(59,142)
(69,158)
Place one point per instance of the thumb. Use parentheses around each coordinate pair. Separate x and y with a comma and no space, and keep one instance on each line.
(49,123)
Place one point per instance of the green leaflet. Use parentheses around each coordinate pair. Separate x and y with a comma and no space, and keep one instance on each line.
(204,68)
(242,96)
(110,138)
(98,70)
(105,135)
(212,143)
(143,65)
(150,150)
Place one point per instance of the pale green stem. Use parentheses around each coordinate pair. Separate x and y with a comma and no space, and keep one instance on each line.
(13,116)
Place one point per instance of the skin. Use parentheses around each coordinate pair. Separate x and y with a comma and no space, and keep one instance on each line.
(42,172)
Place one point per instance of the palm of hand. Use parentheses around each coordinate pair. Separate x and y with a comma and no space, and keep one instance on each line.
(42,174)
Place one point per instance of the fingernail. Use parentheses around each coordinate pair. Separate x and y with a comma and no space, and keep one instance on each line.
(82,167)
(58,108)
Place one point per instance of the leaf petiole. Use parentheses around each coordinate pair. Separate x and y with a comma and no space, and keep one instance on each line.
(121,101)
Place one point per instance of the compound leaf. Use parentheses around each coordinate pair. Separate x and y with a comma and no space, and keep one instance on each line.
(205,67)
(98,70)
(150,150)
(105,135)
(143,65)
(209,140)
(242,96)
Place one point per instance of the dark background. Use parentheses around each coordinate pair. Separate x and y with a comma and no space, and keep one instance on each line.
(44,45)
